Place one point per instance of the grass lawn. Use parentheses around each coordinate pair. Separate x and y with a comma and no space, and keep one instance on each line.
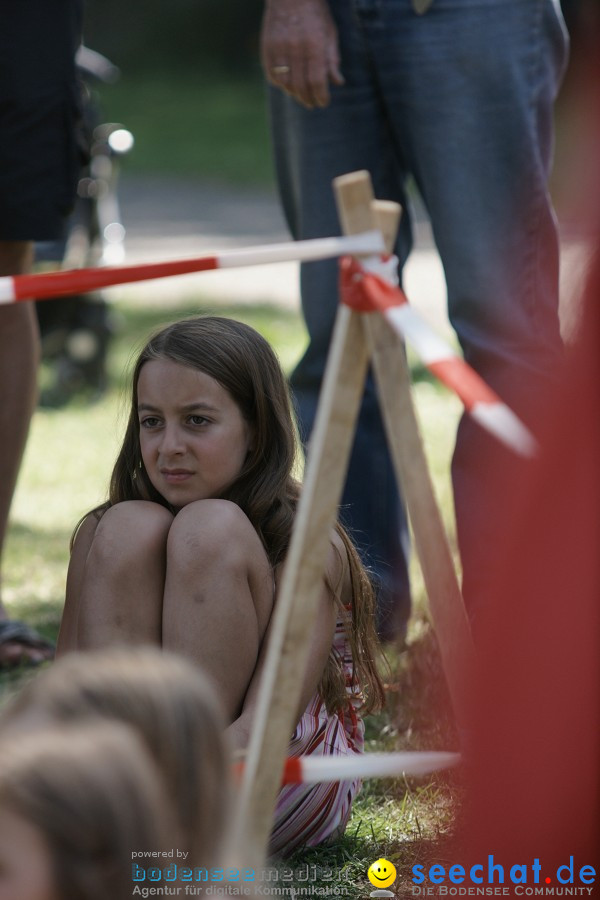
(65,472)
(204,124)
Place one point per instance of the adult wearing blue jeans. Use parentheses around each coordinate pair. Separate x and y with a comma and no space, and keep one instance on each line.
(457,94)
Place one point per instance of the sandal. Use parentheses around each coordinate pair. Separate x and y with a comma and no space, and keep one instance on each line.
(35,649)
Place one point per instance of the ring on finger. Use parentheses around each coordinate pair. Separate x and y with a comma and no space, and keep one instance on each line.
(280,70)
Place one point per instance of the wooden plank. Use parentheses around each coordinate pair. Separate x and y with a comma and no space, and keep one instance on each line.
(302,578)
(410,464)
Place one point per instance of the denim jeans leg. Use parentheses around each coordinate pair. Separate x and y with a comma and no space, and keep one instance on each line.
(311,148)
(460,98)
(469,90)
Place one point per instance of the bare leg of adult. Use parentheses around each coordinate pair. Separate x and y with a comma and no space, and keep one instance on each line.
(19,358)
(121,596)
(218,595)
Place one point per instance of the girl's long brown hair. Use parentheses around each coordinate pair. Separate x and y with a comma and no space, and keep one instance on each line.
(243,363)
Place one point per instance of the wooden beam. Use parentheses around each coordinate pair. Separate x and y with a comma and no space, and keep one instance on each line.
(392,377)
(302,579)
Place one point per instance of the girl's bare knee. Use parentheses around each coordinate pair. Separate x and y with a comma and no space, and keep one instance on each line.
(212,530)
(130,529)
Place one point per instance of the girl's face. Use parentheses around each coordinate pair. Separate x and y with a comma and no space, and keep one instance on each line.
(26,871)
(193,437)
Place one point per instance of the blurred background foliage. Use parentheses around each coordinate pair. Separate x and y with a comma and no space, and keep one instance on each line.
(191,88)
(178,35)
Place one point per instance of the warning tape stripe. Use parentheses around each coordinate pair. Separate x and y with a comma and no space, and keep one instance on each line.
(46,285)
(364,289)
(321,769)
(479,400)
(317,769)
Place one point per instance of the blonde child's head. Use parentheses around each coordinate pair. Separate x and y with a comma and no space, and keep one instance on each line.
(75,803)
(170,704)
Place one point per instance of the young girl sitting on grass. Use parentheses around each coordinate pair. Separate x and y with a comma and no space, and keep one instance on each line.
(188,550)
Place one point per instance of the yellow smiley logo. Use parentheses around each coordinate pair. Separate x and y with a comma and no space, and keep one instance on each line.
(381,873)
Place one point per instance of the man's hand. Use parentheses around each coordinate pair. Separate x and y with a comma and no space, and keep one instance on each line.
(299,49)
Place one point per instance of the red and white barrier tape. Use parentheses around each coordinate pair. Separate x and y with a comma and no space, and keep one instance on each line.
(367,287)
(362,288)
(46,285)
(318,769)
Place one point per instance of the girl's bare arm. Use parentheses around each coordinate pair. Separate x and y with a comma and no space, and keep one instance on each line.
(67,637)
(320,647)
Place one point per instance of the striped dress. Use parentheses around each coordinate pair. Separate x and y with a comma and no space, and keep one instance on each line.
(307,815)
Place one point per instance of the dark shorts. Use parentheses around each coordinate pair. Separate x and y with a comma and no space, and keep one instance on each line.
(40,155)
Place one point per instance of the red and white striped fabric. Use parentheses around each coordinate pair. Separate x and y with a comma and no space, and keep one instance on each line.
(45,285)
(307,813)
(368,287)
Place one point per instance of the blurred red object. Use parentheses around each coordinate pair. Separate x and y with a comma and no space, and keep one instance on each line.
(534,739)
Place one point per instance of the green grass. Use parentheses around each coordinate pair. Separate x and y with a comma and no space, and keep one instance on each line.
(65,472)
(206,125)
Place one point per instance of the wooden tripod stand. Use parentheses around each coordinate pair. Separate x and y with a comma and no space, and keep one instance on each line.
(358,339)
